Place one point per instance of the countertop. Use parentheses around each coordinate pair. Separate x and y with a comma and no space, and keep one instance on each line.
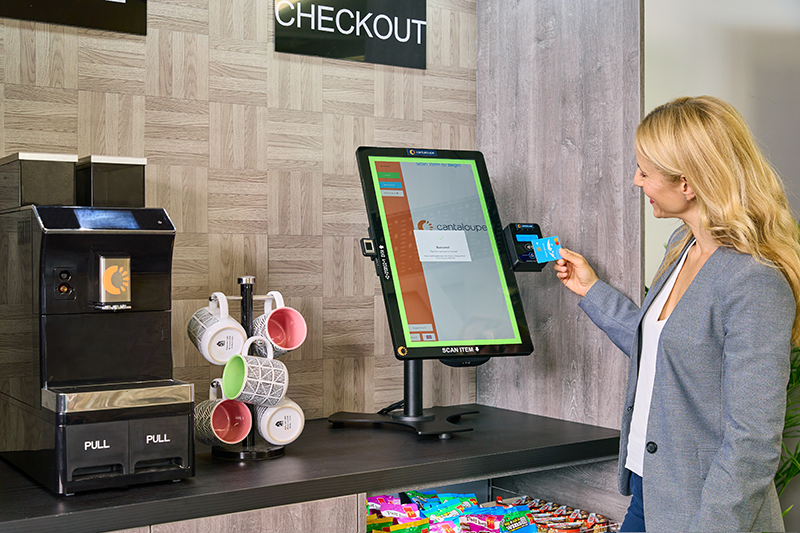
(324,462)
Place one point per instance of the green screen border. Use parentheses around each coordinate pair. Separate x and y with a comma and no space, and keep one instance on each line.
(396,281)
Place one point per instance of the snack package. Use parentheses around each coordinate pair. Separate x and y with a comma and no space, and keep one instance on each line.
(486,522)
(406,510)
(548,506)
(374,502)
(476,528)
(423,498)
(376,522)
(448,510)
(417,526)
(567,527)
(522,500)
(597,523)
(544,524)
(563,511)
(445,527)
(446,496)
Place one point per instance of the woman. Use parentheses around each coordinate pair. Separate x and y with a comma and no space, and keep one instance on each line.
(709,348)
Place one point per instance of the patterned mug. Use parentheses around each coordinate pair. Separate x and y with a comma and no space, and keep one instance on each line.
(255,380)
(221,422)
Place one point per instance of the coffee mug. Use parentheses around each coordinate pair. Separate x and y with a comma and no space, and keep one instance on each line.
(220,422)
(284,326)
(282,423)
(214,332)
(256,380)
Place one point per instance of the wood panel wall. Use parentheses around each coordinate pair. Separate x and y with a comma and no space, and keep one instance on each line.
(251,152)
(559,99)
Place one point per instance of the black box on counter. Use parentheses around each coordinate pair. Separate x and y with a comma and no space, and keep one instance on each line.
(37,178)
(105,181)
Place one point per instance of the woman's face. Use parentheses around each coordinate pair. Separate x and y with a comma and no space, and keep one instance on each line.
(667,198)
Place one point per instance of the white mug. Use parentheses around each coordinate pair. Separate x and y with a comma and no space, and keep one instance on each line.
(215,334)
(282,423)
(284,326)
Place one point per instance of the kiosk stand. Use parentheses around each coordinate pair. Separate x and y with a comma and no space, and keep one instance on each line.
(440,421)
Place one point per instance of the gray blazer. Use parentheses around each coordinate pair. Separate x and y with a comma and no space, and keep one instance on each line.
(719,398)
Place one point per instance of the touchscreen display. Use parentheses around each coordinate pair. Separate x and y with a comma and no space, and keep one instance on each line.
(448,279)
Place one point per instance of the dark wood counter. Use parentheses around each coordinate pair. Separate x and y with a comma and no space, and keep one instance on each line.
(324,462)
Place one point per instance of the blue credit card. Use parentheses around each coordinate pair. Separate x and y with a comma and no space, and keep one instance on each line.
(546,249)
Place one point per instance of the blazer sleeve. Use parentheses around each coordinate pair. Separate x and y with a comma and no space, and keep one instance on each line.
(757,309)
(614,313)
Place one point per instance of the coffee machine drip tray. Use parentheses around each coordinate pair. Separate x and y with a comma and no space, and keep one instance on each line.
(88,398)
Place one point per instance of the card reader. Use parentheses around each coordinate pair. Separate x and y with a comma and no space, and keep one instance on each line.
(519,244)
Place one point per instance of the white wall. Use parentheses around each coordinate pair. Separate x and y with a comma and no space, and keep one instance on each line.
(748,53)
(744,51)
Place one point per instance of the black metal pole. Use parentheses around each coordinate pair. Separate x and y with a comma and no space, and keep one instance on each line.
(246,284)
(412,388)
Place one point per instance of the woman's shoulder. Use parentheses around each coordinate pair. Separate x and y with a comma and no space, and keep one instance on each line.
(741,270)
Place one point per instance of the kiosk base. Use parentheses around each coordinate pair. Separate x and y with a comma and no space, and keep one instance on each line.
(441,421)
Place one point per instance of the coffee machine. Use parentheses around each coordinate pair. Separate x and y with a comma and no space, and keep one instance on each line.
(87,399)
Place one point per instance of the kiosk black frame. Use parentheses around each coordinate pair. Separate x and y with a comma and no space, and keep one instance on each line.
(441,421)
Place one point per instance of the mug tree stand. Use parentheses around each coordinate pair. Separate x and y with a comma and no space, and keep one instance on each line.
(252,448)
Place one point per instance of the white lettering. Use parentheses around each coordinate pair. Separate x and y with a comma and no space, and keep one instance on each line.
(331,19)
(419,24)
(408,30)
(338,24)
(301,15)
(95,445)
(362,22)
(321,18)
(278,6)
(375,27)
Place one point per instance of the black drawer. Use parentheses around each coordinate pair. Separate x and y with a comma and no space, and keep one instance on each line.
(159,443)
(95,450)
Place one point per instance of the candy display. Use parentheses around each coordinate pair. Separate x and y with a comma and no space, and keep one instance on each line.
(432,512)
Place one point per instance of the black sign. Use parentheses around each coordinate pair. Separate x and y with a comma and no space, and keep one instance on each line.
(388,32)
(128,16)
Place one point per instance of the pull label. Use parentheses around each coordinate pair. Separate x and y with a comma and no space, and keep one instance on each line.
(156,439)
(95,445)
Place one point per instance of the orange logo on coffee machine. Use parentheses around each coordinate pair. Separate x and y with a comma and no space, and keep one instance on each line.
(115,279)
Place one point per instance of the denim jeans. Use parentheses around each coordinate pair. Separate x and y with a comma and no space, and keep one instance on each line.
(634,518)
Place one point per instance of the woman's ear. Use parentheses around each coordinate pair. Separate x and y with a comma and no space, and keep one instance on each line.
(686,189)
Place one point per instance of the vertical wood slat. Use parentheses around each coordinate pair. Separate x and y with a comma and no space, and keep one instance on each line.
(558,102)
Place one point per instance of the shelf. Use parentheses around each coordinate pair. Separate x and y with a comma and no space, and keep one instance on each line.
(325,462)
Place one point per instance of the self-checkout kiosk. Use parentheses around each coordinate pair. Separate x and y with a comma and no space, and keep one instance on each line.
(446,267)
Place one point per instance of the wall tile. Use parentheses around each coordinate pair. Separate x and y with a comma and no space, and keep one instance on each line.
(110,124)
(111,62)
(189,16)
(176,132)
(40,119)
(177,65)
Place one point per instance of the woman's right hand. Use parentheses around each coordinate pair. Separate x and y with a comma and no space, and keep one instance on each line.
(574,272)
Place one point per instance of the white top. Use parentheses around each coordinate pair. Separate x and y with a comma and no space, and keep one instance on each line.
(651,333)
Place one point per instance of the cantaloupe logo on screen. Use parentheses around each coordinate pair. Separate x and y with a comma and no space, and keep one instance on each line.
(115,280)
(424,224)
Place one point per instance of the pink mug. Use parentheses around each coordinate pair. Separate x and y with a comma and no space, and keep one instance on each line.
(284,327)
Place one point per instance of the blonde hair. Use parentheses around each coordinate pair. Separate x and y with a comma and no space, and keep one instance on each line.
(740,198)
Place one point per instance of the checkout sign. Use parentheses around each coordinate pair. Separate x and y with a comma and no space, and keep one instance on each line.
(387,32)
